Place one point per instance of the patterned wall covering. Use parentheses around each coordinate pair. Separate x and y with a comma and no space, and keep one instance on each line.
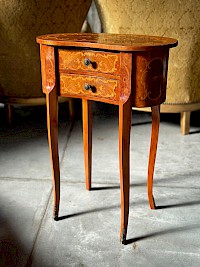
(179,19)
(20,23)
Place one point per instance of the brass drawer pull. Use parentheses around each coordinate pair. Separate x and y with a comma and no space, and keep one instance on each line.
(96,61)
(87,62)
(87,86)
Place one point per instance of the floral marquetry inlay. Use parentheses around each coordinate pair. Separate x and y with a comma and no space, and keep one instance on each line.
(150,77)
(100,87)
(99,61)
(153,72)
(125,70)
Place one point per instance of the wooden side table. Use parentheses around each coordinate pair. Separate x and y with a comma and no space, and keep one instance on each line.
(125,70)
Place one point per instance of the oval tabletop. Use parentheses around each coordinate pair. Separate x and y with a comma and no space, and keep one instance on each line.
(119,42)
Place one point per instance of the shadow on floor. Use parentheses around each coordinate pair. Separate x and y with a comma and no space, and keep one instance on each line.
(12,252)
(179,205)
(163,232)
(176,205)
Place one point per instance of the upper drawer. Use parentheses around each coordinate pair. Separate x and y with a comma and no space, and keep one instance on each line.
(79,60)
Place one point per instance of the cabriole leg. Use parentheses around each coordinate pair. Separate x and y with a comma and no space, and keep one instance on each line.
(52,126)
(87,140)
(152,153)
(125,113)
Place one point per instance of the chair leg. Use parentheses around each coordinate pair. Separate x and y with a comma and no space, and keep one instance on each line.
(152,153)
(125,114)
(71,109)
(9,114)
(185,122)
(52,126)
(87,140)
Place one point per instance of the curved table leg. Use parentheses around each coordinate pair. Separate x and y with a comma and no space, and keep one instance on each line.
(52,126)
(125,113)
(87,140)
(152,153)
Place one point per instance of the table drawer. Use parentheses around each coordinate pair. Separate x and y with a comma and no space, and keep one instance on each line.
(81,85)
(102,62)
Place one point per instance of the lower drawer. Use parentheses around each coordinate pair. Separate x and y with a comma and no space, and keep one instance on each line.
(96,87)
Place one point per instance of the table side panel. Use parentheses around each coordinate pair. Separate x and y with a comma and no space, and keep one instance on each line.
(150,77)
(48,67)
(125,76)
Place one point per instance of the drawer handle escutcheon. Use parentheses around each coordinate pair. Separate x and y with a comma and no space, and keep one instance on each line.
(87,62)
(87,86)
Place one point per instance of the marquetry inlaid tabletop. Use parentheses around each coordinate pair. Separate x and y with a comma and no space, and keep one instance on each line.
(120,42)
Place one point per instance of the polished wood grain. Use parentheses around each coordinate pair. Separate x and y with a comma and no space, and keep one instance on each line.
(116,42)
(126,70)
(150,75)
(52,126)
(125,115)
(126,77)
(101,88)
(87,140)
(49,87)
(104,62)
(124,162)
(48,68)
(152,153)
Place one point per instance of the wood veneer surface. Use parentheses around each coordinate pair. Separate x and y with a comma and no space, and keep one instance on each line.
(121,42)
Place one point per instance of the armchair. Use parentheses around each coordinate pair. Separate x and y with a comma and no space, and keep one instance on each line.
(20,23)
(177,19)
